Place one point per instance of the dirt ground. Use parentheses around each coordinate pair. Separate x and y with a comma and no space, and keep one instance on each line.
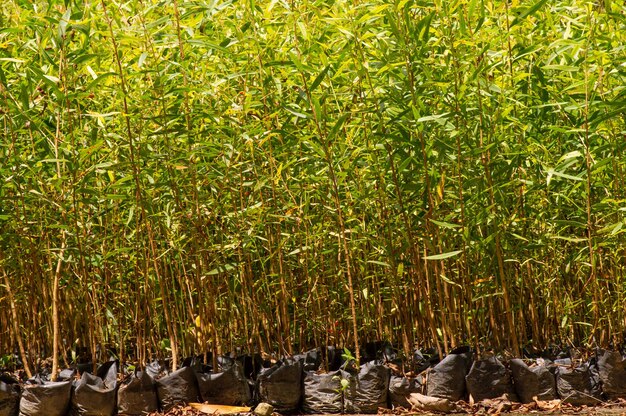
(609,409)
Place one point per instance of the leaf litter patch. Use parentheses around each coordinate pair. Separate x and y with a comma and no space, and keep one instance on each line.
(486,407)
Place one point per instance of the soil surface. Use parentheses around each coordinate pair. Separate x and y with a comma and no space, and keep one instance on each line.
(609,409)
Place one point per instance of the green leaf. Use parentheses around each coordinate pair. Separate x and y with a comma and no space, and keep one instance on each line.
(450,282)
(434,117)
(566,238)
(318,80)
(338,124)
(296,111)
(443,255)
(529,11)
(380,263)
(298,250)
(64,22)
(445,224)
(564,68)
(221,269)
(552,172)
(100,79)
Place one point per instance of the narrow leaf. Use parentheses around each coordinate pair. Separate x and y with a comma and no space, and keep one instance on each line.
(443,255)
(532,9)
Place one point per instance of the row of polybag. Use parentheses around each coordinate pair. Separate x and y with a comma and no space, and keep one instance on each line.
(458,377)
(140,393)
(40,397)
(290,388)
(286,386)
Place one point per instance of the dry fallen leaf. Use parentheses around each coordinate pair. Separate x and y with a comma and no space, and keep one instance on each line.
(431,404)
(219,409)
(548,404)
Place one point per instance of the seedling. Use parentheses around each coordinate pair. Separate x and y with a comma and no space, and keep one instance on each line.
(344,384)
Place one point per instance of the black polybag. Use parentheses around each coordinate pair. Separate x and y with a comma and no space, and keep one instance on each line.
(195,362)
(229,387)
(578,386)
(367,390)
(446,380)
(224,362)
(311,360)
(137,395)
(178,387)
(251,365)
(612,372)
(334,358)
(377,350)
(323,392)
(488,379)
(421,361)
(67,374)
(401,387)
(281,386)
(41,398)
(94,395)
(530,382)
(9,396)
(156,370)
